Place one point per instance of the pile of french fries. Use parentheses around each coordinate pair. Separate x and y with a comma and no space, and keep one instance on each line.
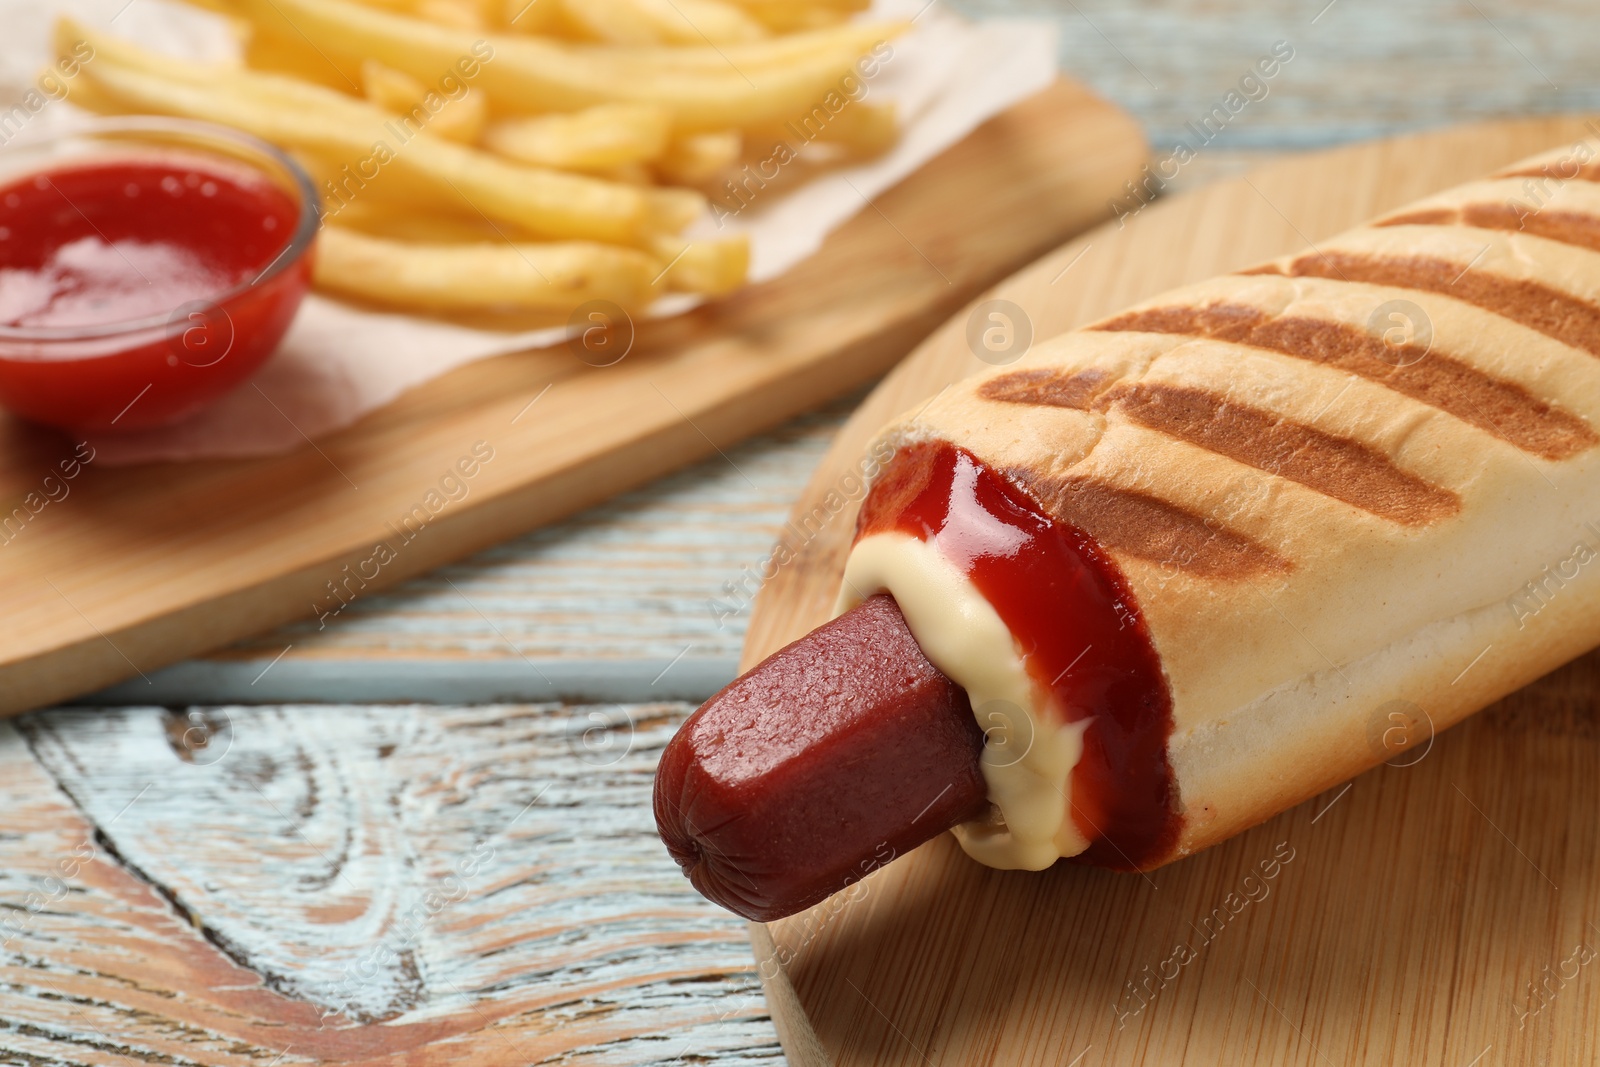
(521,155)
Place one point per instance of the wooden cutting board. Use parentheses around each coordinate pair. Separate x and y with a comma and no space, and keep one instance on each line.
(136,568)
(1442,910)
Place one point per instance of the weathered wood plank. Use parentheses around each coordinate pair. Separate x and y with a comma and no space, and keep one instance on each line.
(233,885)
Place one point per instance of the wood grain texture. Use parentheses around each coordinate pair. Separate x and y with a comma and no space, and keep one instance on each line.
(143,566)
(1404,925)
(385,885)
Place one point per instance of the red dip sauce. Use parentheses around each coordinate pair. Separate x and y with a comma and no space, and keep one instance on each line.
(168,237)
(1077,624)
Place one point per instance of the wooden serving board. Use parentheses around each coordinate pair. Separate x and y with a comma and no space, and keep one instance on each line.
(136,568)
(1442,912)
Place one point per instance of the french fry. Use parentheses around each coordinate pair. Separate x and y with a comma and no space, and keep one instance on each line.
(397,222)
(367,28)
(781,16)
(708,267)
(790,16)
(843,6)
(220,7)
(628,174)
(696,21)
(459,118)
(865,129)
(285,91)
(547,202)
(721,62)
(705,88)
(531,16)
(690,22)
(464,16)
(274,55)
(609,135)
(859,127)
(839,46)
(390,89)
(669,210)
(665,210)
(610,21)
(482,276)
(700,158)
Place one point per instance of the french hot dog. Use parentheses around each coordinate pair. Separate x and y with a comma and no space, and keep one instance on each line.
(1178,563)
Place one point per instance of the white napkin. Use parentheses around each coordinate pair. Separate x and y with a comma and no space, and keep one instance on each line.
(339,362)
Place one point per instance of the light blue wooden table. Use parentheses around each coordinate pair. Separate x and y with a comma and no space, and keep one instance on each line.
(556,665)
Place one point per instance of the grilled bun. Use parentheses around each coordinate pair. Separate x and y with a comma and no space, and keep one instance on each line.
(1357,479)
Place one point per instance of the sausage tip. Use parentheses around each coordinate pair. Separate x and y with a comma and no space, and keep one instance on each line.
(834,755)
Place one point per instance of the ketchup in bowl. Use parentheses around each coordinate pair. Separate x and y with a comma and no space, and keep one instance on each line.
(147,267)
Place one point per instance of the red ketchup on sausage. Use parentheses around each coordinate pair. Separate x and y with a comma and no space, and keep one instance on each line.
(848,748)
(135,290)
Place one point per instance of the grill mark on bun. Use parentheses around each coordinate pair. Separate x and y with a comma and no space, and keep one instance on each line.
(1567,227)
(1219,321)
(1535,305)
(1440,216)
(1585,172)
(1503,409)
(1148,528)
(1339,467)
(1045,387)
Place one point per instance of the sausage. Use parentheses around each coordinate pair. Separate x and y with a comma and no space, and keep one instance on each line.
(835,754)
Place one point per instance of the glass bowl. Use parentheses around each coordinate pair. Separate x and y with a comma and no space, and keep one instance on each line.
(130,295)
